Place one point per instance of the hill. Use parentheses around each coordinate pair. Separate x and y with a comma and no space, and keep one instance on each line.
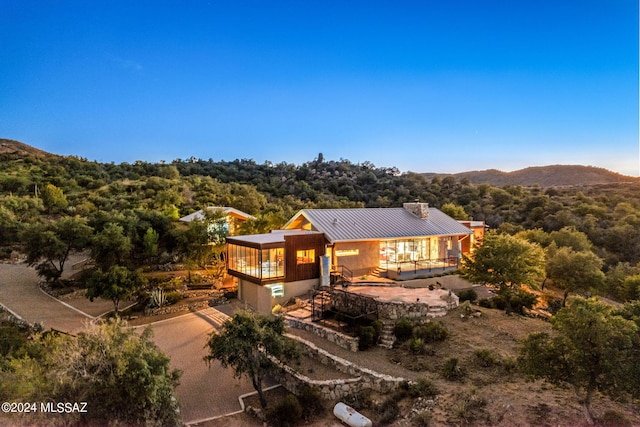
(543,176)
(16,149)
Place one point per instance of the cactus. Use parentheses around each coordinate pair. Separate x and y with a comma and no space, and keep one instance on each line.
(158,298)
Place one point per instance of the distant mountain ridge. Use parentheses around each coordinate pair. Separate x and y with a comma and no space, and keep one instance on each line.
(9,146)
(543,176)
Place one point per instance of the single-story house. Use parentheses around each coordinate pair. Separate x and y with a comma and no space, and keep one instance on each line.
(272,268)
(234,217)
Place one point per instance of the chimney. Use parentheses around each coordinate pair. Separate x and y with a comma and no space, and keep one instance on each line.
(421,210)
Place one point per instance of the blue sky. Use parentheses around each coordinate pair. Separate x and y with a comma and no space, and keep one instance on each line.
(426,86)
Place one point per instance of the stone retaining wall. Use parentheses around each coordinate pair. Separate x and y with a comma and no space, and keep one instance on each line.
(395,310)
(177,308)
(363,379)
(340,339)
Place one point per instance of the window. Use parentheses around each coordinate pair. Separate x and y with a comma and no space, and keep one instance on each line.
(277,290)
(307,256)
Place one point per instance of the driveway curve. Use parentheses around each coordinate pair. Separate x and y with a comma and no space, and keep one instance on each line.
(20,293)
(205,392)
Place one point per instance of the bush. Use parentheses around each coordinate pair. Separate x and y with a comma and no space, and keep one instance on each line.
(468,295)
(519,300)
(389,410)
(486,303)
(287,413)
(311,401)
(416,345)
(403,330)
(452,370)
(423,388)
(486,358)
(366,336)
(431,332)
(422,419)
(173,297)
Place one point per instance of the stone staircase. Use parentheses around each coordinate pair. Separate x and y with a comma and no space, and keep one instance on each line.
(378,272)
(386,335)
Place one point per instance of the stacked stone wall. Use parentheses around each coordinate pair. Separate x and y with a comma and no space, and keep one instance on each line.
(340,339)
(363,379)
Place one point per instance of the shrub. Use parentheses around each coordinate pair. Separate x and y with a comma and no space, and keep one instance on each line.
(172,297)
(416,345)
(519,300)
(486,358)
(469,407)
(287,413)
(486,303)
(468,295)
(311,401)
(423,388)
(389,410)
(367,337)
(510,364)
(422,419)
(452,370)
(403,330)
(431,332)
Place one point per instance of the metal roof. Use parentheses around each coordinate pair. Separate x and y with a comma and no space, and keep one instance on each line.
(379,223)
(199,215)
(276,236)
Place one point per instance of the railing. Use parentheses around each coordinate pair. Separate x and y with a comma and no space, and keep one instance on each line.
(343,276)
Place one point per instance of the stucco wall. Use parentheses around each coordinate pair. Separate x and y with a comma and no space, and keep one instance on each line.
(300,289)
(368,257)
(259,298)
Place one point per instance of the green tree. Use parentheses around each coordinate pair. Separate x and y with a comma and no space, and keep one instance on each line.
(506,262)
(48,245)
(573,271)
(631,288)
(53,198)
(122,375)
(592,350)
(111,246)
(117,283)
(247,344)
(454,211)
(150,242)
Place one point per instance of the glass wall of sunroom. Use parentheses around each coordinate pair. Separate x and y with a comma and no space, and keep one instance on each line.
(262,264)
(423,253)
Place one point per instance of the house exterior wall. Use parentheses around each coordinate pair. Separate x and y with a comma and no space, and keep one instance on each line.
(366,260)
(259,298)
(295,270)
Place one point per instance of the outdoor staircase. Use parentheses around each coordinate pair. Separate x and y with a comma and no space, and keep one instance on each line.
(378,272)
(386,335)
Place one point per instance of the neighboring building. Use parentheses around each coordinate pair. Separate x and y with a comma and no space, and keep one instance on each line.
(234,218)
(393,242)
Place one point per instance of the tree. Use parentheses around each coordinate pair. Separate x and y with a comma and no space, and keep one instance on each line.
(53,198)
(150,242)
(592,350)
(48,245)
(118,283)
(573,271)
(111,246)
(247,344)
(506,262)
(122,376)
(454,211)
